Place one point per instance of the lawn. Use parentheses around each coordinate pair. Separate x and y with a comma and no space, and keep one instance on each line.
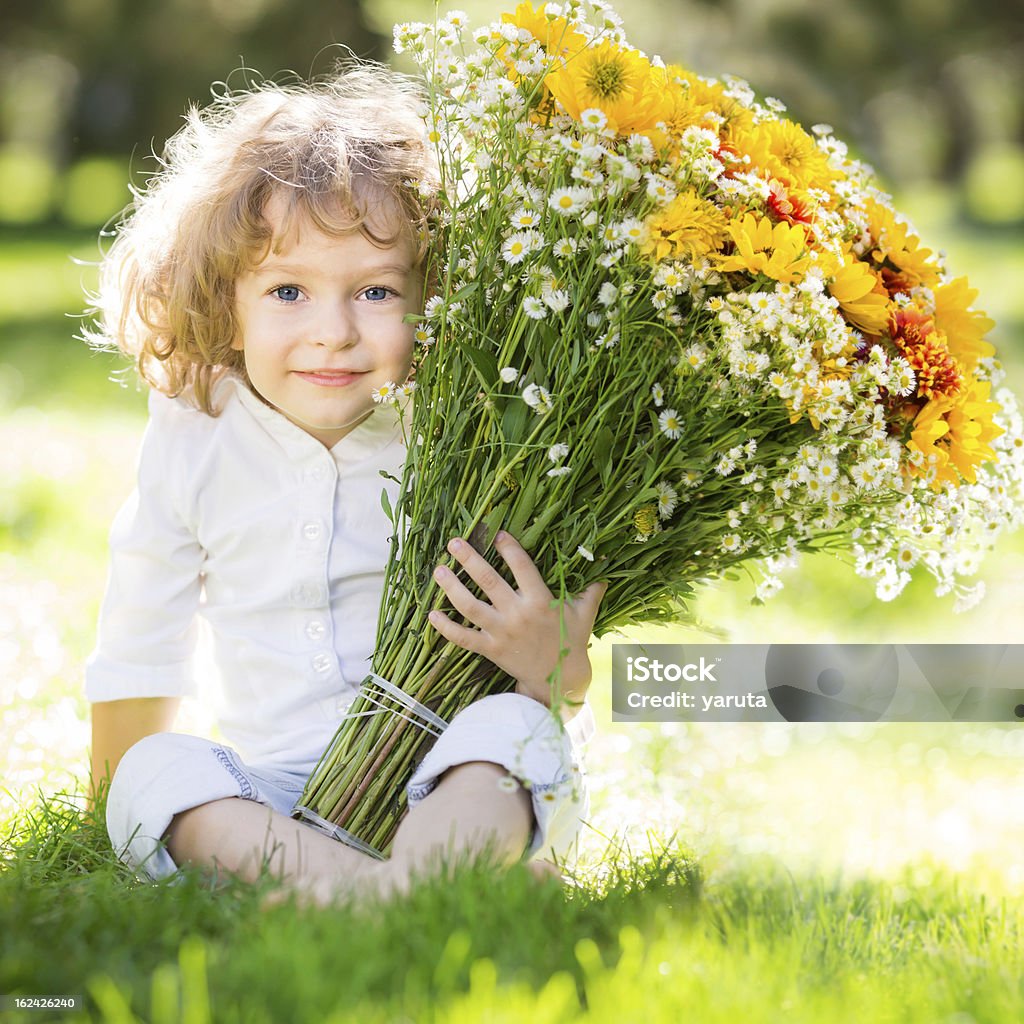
(729,872)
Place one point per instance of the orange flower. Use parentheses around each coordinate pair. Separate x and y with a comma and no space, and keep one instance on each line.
(788,205)
(915,336)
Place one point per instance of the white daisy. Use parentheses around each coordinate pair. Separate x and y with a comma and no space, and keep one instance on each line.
(557,452)
(386,392)
(658,394)
(670,424)
(568,201)
(534,308)
(517,247)
(668,499)
(585,553)
(509,374)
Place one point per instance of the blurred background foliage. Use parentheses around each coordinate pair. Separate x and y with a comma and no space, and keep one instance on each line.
(931,92)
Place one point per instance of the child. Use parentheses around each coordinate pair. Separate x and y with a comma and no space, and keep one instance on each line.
(262,284)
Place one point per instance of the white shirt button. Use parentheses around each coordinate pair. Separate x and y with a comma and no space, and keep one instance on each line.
(322,662)
(312,531)
(307,595)
(315,629)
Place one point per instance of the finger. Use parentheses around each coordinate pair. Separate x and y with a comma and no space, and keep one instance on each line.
(461,636)
(590,600)
(461,598)
(523,567)
(481,572)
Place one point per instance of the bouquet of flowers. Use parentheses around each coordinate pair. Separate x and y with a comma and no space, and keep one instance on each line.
(671,331)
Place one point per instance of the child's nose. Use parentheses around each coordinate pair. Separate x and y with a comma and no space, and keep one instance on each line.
(337,328)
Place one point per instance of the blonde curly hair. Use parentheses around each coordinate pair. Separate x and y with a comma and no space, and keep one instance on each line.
(347,152)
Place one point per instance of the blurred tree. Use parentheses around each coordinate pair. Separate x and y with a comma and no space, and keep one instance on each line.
(120,72)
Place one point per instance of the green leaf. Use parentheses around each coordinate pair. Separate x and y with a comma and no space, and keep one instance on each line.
(484,363)
(603,444)
(385,503)
(515,420)
(465,291)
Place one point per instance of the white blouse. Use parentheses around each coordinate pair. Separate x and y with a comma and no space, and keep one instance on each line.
(279,544)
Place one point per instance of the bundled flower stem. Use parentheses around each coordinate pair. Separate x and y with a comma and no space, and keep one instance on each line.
(673,333)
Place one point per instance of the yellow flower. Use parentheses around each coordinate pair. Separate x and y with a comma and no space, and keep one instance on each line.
(904,264)
(686,228)
(619,82)
(552,33)
(690,101)
(956,430)
(784,151)
(777,252)
(862,299)
(964,327)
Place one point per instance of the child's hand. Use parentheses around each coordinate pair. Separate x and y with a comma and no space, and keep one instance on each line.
(520,630)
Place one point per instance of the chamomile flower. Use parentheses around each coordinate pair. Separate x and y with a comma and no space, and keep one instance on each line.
(557,452)
(670,424)
(386,392)
(537,398)
(509,374)
(518,246)
(565,247)
(569,201)
(658,394)
(585,553)
(423,335)
(525,218)
(534,308)
(668,499)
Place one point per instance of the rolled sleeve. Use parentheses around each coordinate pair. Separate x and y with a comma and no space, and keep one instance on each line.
(147,626)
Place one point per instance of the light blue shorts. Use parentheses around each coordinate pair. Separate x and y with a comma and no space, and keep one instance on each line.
(168,773)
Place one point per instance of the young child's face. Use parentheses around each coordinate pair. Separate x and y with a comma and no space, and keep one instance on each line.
(321,324)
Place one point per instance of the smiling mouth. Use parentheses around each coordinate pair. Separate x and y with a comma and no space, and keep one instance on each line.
(330,378)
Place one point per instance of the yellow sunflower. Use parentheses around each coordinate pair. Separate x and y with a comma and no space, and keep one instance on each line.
(619,82)
(862,299)
(554,34)
(897,251)
(778,251)
(964,327)
(956,430)
(686,228)
(783,150)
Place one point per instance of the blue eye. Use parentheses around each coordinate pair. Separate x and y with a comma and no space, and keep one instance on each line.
(377,294)
(287,293)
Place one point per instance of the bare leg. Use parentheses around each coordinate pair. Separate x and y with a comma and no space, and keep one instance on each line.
(244,838)
(466,815)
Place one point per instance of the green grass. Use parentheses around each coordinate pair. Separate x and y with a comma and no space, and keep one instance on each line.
(642,938)
(755,872)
